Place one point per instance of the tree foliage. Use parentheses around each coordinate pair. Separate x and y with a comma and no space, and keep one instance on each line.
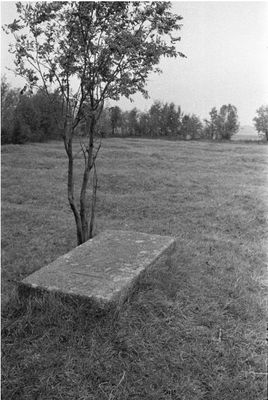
(261,121)
(36,116)
(115,118)
(223,124)
(28,117)
(90,52)
(191,127)
(9,100)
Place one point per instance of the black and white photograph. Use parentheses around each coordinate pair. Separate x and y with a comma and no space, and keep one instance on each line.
(134,200)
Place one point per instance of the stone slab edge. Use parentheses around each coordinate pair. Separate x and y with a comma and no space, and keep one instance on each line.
(120,297)
(159,260)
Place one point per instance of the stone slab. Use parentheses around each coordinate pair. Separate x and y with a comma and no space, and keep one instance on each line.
(105,268)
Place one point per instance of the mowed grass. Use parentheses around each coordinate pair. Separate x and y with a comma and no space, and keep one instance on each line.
(195,329)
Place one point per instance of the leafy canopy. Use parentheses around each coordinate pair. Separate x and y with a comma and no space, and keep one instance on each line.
(103,49)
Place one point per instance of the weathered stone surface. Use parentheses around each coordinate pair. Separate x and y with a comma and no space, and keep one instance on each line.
(105,267)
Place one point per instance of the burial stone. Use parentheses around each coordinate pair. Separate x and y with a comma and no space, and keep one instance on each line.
(105,268)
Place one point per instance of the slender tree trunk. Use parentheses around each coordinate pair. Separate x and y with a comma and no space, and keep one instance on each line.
(93,202)
(73,205)
(84,211)
(84,224)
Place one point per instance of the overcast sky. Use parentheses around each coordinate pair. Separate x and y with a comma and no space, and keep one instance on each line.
(226,44)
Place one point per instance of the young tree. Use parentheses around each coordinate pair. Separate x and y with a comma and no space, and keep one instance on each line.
(90,52)
(261,121)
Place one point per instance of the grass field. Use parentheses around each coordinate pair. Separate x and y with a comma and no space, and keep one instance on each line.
(195,329)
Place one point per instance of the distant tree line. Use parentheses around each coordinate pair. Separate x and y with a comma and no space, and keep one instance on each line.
(33,117)
(161,120)
(168,120)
